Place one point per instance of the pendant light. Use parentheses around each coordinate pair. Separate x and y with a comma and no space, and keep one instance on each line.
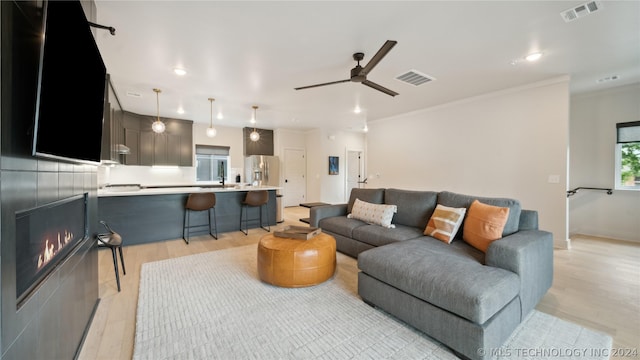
(254,136)
(211,131)
(158,126)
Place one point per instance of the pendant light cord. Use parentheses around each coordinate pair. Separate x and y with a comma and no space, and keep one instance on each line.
(211,100)
(255,118)
(157,91)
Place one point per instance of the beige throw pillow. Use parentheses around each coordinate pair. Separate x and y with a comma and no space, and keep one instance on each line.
(373,213)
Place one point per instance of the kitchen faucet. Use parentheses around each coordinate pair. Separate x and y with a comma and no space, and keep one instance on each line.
(222,177)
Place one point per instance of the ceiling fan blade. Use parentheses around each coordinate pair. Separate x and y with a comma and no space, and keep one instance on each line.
(323,84)
(378,56)
(379,88)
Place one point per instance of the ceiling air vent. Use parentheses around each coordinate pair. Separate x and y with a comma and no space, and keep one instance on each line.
(414,78)
(580,10)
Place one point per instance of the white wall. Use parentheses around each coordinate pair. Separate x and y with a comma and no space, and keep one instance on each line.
(322,143)
(592,164)
(288,139)
(503,144)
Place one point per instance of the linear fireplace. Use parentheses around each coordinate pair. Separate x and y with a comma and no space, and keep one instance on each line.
(45,235)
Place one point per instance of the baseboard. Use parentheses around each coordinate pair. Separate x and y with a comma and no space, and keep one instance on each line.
(86,330)
(562,245)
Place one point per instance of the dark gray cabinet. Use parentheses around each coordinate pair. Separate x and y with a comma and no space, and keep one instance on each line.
(264,146)
(132,141)
(112,127)
(173,147)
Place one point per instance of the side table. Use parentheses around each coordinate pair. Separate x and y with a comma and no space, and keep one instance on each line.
(310,205)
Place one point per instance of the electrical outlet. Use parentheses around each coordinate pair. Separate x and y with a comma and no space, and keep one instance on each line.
(554,179)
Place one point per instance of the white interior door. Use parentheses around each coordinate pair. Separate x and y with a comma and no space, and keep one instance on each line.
(354,171)
(295,182)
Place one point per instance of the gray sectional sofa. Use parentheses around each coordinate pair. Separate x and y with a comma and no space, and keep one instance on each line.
(469,300)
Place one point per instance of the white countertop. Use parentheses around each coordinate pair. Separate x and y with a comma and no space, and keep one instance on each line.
(178,190)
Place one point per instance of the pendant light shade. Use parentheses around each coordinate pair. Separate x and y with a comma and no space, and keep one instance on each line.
(211,131)
(254,136)
(158,126)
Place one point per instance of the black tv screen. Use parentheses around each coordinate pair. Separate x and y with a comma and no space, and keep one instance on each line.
(71,87)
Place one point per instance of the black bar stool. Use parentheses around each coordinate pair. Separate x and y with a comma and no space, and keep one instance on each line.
(113,241)
(256,198)
(199,202)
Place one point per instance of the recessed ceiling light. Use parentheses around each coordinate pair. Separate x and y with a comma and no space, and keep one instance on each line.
(533,57)
(180,110)
(180,72)
(357,110)
(220,116)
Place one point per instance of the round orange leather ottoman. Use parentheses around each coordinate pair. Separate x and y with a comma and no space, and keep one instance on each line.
(296,263)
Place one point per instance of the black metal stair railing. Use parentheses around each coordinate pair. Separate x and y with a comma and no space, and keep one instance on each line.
(574,191)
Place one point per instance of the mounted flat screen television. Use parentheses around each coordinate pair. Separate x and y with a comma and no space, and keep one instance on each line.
(71,87)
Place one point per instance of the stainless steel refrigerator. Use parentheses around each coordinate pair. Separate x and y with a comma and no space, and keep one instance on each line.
(264,170)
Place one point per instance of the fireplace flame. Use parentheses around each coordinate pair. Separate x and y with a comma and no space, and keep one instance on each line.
(50,249)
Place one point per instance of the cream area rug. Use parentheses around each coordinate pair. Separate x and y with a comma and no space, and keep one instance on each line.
(213,306)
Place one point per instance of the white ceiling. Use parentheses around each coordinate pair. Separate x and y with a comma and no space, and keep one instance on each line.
(245,53)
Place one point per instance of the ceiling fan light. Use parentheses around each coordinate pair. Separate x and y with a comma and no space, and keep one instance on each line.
(254,136)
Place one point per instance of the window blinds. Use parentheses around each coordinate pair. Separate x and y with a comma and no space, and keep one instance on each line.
(212,150)
(628,132)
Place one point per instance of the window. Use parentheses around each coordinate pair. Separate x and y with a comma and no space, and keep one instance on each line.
(212,163)
(628,155)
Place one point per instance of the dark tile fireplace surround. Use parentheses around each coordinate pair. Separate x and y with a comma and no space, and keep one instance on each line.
(49,320)
(45,236)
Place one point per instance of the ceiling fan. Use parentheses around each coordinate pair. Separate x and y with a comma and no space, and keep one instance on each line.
(359,73)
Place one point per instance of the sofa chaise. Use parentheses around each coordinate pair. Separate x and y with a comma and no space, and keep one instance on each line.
(468,299)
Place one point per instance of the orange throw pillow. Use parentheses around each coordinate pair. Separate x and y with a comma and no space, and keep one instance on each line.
(484,224)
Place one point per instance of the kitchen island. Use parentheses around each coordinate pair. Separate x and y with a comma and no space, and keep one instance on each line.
(157,213)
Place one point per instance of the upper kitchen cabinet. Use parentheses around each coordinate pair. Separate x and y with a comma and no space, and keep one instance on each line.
(173,147)
(264,146)
(112,127)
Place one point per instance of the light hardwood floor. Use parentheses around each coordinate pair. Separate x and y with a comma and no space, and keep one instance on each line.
(596,284)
